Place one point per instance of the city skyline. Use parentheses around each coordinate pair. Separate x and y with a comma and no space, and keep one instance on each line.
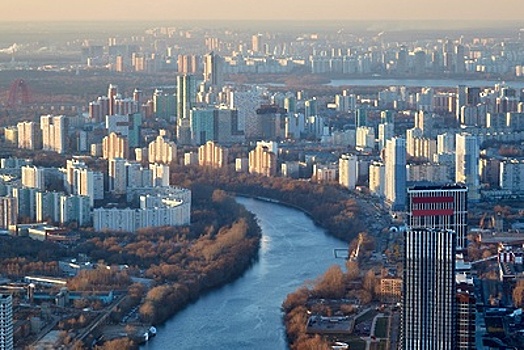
(359,10)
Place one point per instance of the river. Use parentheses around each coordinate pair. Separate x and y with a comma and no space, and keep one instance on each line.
(246,314)
(435,83)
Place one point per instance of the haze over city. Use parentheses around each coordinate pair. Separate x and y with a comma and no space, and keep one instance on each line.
(361,10)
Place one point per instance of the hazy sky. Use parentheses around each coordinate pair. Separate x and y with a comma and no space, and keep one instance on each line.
(62,10)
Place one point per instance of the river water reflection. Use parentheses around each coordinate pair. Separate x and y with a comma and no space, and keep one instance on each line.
(246,313)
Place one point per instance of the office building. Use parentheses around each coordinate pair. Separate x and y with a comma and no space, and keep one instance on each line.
(429,311)
(395,173)
(6,322)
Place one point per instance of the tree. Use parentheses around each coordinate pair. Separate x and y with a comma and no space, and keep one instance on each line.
(332,284)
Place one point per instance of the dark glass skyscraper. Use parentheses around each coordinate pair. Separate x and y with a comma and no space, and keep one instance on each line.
(429,290)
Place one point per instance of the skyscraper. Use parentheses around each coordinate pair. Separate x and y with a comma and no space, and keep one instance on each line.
(467,163)
(439,207)
(6,322)
(395,172)
(213,70)
(186,99)
(429,290)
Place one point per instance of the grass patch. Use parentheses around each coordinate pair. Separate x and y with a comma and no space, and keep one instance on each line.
(381,327)
(369,315)
(357,344)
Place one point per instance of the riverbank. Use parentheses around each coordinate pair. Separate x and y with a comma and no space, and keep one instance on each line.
(246,314)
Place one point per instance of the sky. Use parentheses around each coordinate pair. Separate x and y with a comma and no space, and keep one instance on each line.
(363,10)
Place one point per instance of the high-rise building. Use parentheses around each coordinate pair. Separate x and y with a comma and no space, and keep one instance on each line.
(257,43)
(348,171)
(186,99)
(112,91)
(6,322)
(377,178)
(212,155)
(117,176)
(213,70)
(33,177)
(29,135)
(54,133)
(164,105)
(115,146)
(8,212)
(127,125)
(162,151)
(440,207)
(160,174)
(263,159)
(429,311)
(395,173)
(467,164)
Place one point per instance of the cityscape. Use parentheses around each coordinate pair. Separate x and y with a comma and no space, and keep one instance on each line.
(261,184)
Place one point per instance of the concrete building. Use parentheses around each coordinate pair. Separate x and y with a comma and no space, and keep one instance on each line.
(160,174)
(162,151)
(348,171)
(169,207)
(263,159)
(212,155)
(29,135)
(6,322)
(54,133)
(377,178)
(395,173)
(117,176)
(115,146)
(467,164)
(75,209)
(33,177)
(512,176)
(8,212)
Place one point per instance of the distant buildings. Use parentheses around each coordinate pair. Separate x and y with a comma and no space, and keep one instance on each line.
(169,207)
(467,164)
(395,173)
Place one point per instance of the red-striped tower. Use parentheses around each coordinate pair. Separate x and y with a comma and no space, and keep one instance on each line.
(439,207)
